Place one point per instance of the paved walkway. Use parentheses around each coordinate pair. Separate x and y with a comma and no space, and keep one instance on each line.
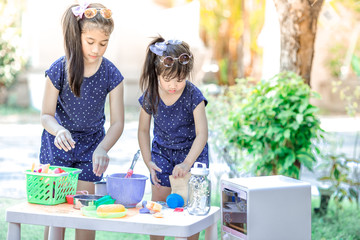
(20,144)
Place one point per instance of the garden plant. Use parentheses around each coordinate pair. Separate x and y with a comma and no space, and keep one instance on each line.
(277,125)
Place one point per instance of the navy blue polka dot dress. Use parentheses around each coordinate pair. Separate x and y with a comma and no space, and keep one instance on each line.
(83,116)
(174,131)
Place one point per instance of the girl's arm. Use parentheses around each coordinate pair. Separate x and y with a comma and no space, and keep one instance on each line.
(100,157)
(201,128)
(63,139)
(144,143)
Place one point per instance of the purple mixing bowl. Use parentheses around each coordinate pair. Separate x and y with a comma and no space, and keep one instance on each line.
(126,191)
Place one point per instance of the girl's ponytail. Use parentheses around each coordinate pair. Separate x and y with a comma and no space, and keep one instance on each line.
(73,51)
(149,78)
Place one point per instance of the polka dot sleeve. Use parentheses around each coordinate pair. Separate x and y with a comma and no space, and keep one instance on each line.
(56,73)
(145,105)
(115,77)
(196,97)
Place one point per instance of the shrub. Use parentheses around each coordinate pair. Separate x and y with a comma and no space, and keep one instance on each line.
(276,124)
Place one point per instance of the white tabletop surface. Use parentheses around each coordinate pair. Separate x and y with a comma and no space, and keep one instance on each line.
(177,224)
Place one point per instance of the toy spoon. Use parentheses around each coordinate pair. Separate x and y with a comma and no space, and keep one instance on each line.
(130,171)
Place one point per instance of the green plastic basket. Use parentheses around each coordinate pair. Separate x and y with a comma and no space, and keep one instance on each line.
(51,189)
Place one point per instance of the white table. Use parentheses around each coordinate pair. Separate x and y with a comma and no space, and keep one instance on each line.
(177,224)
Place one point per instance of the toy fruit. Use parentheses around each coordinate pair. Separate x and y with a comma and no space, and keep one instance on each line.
(110,208)
(45,168)
(70,199)
(58,170)
(153,206)
(158,215)
(178,209)
(174,200)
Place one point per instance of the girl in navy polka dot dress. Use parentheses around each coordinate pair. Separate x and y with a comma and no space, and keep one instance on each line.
(77,85)
(178,107)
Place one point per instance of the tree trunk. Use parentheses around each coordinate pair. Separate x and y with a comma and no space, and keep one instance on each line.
(298,25)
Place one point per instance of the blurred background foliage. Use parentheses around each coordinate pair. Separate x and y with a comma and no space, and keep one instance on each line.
(11,53)
(230,28)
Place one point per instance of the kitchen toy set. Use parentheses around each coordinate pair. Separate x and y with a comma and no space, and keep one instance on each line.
(251,207)
(51,185)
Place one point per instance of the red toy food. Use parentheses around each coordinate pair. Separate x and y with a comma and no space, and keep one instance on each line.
(58,170)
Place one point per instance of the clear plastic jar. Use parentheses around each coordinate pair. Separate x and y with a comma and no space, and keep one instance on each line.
(199,191)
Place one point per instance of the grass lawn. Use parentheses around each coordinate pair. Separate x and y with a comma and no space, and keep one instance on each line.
(341,224)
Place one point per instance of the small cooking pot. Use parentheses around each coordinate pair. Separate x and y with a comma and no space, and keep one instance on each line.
(100,188)
(85,200)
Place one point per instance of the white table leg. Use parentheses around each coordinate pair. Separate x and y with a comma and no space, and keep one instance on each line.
(211,232)
(180,238)
(14,231)
(56,233)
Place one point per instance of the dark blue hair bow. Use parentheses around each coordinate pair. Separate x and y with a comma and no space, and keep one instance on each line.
(160,47)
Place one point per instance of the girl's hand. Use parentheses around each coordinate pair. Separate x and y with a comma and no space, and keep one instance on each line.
(63,140)
(100,161)
(153,168)
(181,170)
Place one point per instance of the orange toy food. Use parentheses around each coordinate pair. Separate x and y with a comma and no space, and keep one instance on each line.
(45,168)
(153,206)
(158,215)
(110,208)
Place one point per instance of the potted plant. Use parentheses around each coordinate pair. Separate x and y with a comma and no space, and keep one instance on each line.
(276,125)
(338,175)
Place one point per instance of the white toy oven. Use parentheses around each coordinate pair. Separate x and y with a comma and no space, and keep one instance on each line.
(265,208)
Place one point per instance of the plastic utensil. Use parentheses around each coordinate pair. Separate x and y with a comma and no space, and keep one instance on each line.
(130,171)
(104,200)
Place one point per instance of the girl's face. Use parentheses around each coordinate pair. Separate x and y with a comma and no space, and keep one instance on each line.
(171,85)
(94,43)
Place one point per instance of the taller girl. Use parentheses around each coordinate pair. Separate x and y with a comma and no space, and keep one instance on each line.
(77,85)
(178,109)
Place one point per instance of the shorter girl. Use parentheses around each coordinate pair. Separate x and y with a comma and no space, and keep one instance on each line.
(178,107)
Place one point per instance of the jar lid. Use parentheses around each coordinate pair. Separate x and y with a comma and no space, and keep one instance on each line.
(200,169)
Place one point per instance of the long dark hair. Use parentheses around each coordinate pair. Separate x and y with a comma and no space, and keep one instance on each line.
(153,68)
(72,29)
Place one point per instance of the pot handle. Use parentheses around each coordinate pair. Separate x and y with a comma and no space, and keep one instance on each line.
(106,178)
(84,192)
(77,171)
